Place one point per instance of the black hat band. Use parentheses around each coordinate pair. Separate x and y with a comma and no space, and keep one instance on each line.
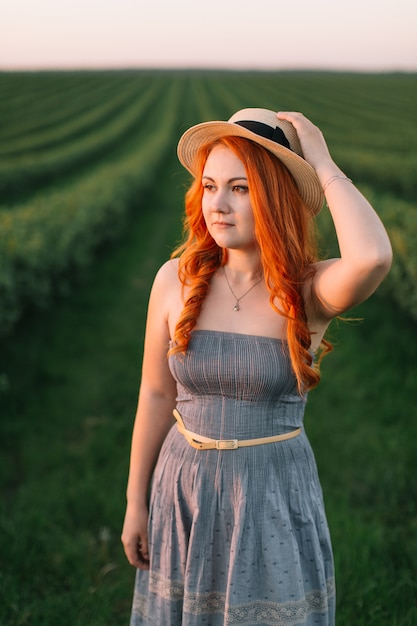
(266,131)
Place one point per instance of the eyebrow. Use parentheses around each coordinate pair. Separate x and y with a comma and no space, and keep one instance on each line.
(231,180)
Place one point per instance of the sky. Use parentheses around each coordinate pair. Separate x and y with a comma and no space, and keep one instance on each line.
(358,35)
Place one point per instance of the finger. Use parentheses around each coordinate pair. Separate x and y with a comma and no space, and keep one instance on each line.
(306,130)
(137,557)
(143,548)
(140,563)
(142,554)
(290,116)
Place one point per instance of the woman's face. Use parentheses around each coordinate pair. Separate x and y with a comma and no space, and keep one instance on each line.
(226,205)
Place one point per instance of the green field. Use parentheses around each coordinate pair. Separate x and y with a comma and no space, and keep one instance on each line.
(90,204)
(78,151)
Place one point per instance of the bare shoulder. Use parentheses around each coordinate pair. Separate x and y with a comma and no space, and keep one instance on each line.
(167,273)
(167,294)
(155,375)
(166,282)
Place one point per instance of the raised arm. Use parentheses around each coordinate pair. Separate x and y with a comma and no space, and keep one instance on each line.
(365,250)
(152,423)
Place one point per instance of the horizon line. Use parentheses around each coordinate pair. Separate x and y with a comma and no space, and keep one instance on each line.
(202,68)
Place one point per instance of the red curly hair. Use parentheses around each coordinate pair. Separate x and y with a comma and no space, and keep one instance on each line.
(284,231)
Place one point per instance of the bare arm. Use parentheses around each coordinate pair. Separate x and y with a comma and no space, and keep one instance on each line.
(365,250)
(152,423)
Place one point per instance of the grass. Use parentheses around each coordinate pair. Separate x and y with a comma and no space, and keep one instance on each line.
(69,378)
(360,422)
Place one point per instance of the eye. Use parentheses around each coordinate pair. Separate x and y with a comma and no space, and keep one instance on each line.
(208,187)
(240,188)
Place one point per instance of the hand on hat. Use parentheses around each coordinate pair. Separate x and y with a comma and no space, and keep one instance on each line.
(313,144)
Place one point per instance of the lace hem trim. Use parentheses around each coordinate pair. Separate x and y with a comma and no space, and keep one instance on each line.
(275,614)
(166,587)
(288,613)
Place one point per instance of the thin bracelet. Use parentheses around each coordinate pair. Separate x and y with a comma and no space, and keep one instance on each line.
(329,182)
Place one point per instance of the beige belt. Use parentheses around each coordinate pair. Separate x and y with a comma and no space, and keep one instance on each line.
(205,443)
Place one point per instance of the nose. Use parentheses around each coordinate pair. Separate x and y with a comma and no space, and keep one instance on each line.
(219,202)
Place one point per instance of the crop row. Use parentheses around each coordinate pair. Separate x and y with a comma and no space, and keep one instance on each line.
(73,123)
(50,238)
(33,101)
(22,174)
(68,186)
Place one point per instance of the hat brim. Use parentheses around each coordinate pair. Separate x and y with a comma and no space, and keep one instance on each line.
(304,175)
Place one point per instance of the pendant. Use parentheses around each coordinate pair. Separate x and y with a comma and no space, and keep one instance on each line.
(236,307)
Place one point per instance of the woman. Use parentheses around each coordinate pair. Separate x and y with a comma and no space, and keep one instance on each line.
(236,532)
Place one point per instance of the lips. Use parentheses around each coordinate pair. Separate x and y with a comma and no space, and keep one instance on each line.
(222,224)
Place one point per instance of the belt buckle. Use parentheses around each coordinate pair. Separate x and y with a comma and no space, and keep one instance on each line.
(226,444)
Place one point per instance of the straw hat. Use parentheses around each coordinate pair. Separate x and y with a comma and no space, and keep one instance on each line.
(264,128)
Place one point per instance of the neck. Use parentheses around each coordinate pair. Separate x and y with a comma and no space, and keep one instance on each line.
(243,267)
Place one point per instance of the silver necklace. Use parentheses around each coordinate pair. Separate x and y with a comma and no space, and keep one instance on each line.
(237,307)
